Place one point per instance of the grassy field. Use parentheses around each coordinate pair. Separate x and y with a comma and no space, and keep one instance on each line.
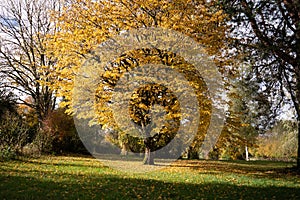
(72,177)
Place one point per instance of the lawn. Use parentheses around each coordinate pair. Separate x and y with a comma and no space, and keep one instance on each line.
(74,177)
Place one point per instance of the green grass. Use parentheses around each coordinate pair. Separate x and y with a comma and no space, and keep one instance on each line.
(67,177)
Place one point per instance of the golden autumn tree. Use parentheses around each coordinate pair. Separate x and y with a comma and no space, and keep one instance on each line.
(84,24)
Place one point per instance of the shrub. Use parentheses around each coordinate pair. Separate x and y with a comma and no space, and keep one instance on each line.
(58,134)
(7,154)
(13,135)
(280,142)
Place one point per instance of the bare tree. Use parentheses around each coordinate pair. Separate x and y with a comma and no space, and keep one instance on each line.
(268,32)
(24,25)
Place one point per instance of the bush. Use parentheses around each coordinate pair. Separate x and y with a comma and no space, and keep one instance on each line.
(59,135)
(13,135)
(7,154)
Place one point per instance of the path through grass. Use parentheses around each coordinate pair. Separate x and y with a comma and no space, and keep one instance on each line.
(67,177)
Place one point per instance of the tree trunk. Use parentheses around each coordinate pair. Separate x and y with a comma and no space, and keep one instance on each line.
(295,17)
(298,151)
(124,151)
(149,158)
(247,153)
(297,108)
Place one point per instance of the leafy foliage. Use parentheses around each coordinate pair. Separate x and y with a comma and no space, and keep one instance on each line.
(280,142)
(84,24)
(245,117)
(58,134)
(7,103)
(14,131)
(13,135)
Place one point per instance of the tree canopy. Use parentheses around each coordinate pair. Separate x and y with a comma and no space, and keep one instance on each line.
(84,24)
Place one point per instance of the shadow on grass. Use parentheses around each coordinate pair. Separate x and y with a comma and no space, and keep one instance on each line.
(115,187)
(266,169)
(258,168)
(86,163)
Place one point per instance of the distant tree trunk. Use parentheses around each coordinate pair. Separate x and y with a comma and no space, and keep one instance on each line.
(149,157)
(124,151)
(247,153)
